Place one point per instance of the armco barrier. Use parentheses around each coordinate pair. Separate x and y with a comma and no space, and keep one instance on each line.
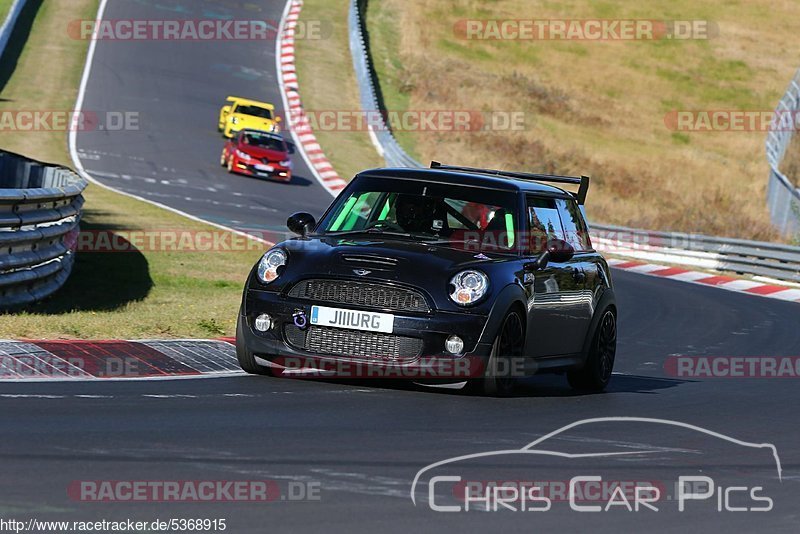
(40,210)
(783,198)
(772,260)
(781,262)
(384,141)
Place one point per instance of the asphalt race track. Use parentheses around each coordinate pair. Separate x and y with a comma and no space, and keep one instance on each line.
(177,89)
(356,446)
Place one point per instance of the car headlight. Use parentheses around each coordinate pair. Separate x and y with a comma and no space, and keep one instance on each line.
(269,264)
(243,155)
(468,287)
(285,163)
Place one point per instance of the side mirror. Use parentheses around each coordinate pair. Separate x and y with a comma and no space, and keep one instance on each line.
(226,110)
(291,148)
(301,223)
(560,251)
(278,119)
(557,250)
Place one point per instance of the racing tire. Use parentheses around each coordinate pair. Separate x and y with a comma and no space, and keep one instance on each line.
(498,379)
(596,371)
(247,360)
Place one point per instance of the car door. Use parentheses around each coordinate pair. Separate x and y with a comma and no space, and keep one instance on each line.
(583,264)
(554,320)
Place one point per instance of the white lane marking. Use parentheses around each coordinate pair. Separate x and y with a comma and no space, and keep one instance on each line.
(173,396)
(106,174)
(220,374)
(23,396)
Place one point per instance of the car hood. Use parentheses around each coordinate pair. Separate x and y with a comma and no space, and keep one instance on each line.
(261,153)
(381,259)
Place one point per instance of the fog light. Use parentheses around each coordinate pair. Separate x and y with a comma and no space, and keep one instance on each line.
(263,322)
(454,345)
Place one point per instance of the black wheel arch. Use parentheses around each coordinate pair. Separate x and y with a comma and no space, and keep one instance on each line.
(511,297)
(606,301)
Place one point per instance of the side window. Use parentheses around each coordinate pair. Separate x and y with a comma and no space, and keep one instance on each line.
(575,229)
(544,223)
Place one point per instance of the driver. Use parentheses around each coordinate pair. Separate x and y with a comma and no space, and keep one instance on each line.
(415,213)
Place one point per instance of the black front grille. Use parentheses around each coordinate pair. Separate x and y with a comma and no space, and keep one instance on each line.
(321,340)
(366,294)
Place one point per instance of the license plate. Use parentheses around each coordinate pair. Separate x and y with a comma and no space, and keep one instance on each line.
(352,319)
(264,168)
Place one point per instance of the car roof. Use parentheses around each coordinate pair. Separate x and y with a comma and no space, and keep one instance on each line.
(474,179)
(249,102)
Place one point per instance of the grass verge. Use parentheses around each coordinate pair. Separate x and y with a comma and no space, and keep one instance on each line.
(137,294)
(327,83)
(600,108)
(5,5)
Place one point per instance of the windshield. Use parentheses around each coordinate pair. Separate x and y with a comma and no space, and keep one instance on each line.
(264,141)
(255,111)
(461,217)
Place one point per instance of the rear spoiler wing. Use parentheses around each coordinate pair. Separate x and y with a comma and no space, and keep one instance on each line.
(581,181)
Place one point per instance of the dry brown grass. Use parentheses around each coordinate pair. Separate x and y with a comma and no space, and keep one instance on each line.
(598,107)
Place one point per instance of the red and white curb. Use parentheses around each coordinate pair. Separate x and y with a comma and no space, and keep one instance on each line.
(117,360)
(296,119)
(730,283)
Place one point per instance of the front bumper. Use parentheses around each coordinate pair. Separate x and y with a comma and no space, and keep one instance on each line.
(430,364)
(277,173)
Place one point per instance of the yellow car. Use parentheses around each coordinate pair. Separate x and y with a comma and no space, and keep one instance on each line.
(241,113)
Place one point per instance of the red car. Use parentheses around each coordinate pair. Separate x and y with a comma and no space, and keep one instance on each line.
(257,153)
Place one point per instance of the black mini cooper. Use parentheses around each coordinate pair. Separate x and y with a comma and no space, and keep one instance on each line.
(445,275)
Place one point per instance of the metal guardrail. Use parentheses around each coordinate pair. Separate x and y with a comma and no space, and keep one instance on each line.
(772,260)
(387,145)
(40,210)
(783,198)
(781,262)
